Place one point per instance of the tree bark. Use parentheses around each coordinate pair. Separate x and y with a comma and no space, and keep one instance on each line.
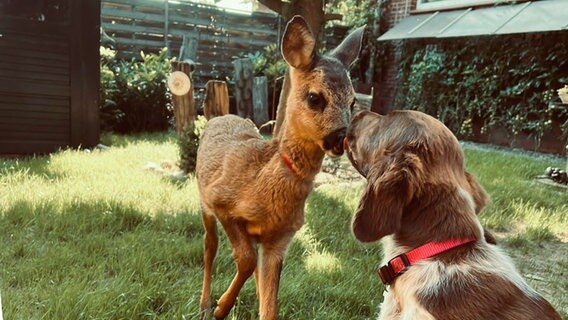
(281,109)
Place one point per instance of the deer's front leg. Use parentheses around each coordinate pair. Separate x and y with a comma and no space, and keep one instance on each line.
(270,268)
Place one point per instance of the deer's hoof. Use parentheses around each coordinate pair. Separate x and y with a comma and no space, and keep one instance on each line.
(219,313)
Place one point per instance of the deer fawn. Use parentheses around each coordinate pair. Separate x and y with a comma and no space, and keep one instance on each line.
(257,188)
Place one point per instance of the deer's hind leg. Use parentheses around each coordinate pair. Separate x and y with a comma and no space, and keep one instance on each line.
(245,256)
(211,242)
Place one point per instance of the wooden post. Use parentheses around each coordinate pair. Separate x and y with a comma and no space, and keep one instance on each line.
(184,105)
(216,102)
(167,24)
(243,83)
(188,49)
(363,102)
(260,101)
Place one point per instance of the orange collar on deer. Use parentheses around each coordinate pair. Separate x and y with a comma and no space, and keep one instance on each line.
(288,162)
(399,264)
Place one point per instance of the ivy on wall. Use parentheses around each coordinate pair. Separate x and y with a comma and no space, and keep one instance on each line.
(474,84)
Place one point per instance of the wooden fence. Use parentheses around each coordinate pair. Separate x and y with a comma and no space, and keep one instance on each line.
(221,35)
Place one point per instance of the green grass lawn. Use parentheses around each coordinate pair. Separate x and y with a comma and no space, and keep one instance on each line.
(92,235)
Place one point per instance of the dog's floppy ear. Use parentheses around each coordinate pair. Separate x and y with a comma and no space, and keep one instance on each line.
(480,197)
(480,200)
(391,183)
(298,44)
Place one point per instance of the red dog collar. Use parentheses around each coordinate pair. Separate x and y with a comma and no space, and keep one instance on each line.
(399,264)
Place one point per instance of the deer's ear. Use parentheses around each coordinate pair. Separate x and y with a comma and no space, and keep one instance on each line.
(348,49)
(298,44)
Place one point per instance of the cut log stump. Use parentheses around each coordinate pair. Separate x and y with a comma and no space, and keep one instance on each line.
(184,105)
(216,102)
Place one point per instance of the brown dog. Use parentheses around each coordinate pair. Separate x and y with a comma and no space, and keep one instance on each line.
(423,205)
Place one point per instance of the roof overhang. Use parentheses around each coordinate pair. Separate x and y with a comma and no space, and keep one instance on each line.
(532,16)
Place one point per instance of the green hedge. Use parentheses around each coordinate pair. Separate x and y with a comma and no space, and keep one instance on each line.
(492,81)
(134,95)
(188,143)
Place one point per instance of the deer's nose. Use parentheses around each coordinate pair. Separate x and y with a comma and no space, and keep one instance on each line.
(334,141)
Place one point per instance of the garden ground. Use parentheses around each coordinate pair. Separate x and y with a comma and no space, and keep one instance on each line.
(93,235)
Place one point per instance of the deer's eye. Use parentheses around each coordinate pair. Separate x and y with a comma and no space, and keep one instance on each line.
(316,101)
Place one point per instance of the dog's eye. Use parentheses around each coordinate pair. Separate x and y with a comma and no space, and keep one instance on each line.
(316,101)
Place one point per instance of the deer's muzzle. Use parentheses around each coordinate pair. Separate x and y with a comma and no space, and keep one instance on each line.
(333,142)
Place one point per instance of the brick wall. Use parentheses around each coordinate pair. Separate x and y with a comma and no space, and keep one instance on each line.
(386,85)
(396,10)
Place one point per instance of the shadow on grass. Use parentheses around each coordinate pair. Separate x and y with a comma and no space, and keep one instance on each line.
(341,268)
(179,182)
(329,219)
(112,218)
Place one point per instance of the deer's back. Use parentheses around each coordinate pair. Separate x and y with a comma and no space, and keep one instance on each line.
(240,175)
(228,143)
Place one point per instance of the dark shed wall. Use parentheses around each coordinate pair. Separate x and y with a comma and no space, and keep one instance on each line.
(49,78)
(85,72)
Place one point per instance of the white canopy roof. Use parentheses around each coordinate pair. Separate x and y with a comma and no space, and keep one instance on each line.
(532,16)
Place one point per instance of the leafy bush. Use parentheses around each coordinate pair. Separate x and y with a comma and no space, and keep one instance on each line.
(355,12)
(268,63)
(109,113)
(188,143)
(475,84)
(134,95)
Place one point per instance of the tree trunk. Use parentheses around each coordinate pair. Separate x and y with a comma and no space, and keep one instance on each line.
(281,110)
(312,11)
(216,102)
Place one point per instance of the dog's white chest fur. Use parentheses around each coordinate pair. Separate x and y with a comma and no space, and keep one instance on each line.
(429,277)
(402,303)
